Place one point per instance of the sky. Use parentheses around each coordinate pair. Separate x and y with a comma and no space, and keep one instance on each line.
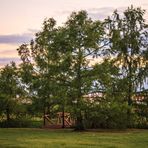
(21,19)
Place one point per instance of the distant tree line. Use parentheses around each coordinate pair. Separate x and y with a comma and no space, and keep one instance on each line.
(65,65)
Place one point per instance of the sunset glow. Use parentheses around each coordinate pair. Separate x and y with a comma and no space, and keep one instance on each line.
(20,19)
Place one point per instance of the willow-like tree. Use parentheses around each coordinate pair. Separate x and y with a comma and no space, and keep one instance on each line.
(128,36)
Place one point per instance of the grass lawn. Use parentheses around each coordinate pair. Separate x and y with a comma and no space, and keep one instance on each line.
(68,139)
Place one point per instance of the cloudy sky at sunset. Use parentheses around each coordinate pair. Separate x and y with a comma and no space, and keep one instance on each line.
(20,19)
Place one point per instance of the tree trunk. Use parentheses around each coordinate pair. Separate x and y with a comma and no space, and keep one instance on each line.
(8,114)
(79,120)
(130,90)
(130,93)
(63,118)
(79,123)
(130,85)
(44,113)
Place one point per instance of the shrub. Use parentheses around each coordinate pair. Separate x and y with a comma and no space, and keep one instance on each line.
(19,123)
(107,115)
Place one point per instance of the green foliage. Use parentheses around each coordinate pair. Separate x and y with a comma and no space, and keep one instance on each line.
(84,37)
(25,122)
(57,74)
(141,110)
(10,90)
(106,114)
(128,36)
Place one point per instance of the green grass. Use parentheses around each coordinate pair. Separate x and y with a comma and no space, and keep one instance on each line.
(39,138)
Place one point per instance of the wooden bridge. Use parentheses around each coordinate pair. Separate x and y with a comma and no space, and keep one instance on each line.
(61,120)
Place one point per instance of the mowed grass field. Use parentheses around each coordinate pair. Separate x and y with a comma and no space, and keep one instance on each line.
(38,138)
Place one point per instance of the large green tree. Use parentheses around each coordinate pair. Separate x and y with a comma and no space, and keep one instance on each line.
(40,66)
(57,67)
(10,89)
(128,36)
(60,57)
(84,38)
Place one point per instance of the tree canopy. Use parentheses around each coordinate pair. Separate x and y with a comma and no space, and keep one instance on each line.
(57,72)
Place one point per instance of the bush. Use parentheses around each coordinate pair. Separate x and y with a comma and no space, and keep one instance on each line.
(107,115)
(140,122)
(19,123)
